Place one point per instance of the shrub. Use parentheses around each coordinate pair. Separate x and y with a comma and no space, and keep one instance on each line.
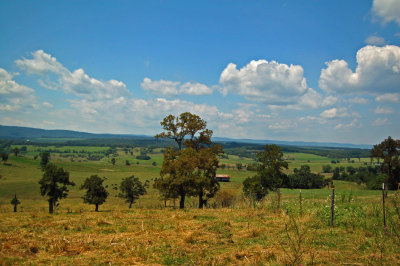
(224,199)
(143,157)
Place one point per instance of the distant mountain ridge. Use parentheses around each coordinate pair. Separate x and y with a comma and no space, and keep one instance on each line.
(297,143)
(16,132)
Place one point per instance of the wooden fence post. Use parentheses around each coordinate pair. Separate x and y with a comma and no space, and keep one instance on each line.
(332,205)
(279,198)
(383,203)
(301,210)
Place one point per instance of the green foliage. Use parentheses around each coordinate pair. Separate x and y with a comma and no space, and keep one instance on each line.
(269,174)
(4,157)
(255,187)
(303,178)
(45,158)
(15,202)
(143,157)
(187,129)
(389,151)
(327,168)
(96,193)
(54,184)
(131,189)
(376,183)
(188,171)
(113,161)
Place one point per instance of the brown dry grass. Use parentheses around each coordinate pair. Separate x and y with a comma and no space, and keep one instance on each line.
(169,236)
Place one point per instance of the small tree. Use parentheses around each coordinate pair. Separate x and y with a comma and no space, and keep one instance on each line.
(127,163)
(113,161)
(96,193)
(16,151)
(4,157)
(131,189)
(269,173)
(45,159)
(15,202)
(389,151)
(54,184)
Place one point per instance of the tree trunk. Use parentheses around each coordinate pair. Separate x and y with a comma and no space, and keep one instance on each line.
(97,207)
(182,201)
(130,204)
(51,206)
(201,201)
(15,207)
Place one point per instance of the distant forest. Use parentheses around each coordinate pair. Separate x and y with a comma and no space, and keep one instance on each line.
(233,148)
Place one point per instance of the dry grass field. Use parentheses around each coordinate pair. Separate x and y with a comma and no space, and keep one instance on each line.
(149,233)
(238,235)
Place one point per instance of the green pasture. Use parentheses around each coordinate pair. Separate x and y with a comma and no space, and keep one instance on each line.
(21,175)
(79,149)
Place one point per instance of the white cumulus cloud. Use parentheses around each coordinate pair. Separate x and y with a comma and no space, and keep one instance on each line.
(383,111)
(375,40)
(160,87)
(358,100)
(173,88)
(14,96)
(269,82)
(388,97)
(335,112)
(195,88)
(380,122)
(388,10)
(76,82)
(378,71)
(282,125)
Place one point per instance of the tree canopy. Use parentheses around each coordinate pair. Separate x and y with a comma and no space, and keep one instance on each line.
(190,170)
(45,159)
(389,151)
(269,175)
(96,193)
(131,189)
(54,184)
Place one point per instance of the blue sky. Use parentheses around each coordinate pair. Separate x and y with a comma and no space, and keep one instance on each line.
(284,70)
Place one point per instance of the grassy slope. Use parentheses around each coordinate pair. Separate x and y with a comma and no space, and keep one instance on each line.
(151,234)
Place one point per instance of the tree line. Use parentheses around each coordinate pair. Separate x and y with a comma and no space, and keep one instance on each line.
(270,175)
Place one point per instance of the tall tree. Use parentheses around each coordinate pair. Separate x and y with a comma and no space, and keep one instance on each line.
(389,151)
(269,175)
(96,193)
(45,159)
(131,189)
(54,184)
(177,174)
(190,171)
(188,129)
